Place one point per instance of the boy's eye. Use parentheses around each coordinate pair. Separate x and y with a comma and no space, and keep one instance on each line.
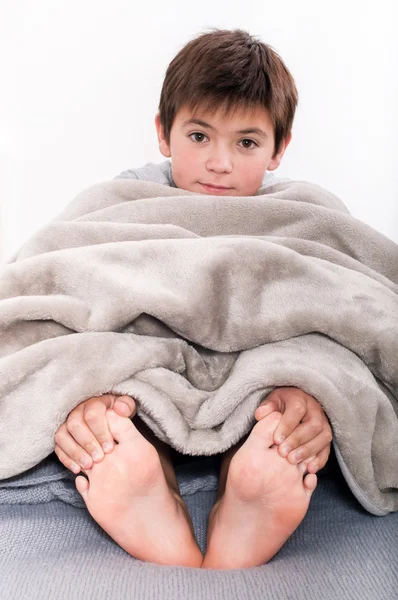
(197,133)
(247,143)
(250,142)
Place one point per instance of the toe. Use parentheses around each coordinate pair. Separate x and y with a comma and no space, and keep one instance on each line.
(120,427)
(303,465)
(82,486)
(310,483)
(125,406)
(264,430)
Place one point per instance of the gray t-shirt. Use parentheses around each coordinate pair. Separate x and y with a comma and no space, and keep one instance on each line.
(161,173)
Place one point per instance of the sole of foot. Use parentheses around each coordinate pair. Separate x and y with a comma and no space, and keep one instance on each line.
(265,500)
(128,496)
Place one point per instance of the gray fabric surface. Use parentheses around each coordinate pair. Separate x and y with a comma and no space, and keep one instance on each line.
(198,306)
(56,551)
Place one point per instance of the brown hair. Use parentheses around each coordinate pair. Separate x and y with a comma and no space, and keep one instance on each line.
(227,70)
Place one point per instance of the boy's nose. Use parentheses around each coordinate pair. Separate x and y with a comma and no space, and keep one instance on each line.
(219,165)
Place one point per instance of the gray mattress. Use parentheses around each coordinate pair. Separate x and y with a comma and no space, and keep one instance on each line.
(50,547)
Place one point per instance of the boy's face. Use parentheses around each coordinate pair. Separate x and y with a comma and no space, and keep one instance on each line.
(219,151)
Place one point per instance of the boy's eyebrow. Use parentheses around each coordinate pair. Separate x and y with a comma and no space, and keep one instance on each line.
(244,131)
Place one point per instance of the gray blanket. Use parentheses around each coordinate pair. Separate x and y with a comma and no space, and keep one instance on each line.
(198,306)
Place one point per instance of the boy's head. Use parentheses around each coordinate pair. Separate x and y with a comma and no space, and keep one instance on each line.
(230,84)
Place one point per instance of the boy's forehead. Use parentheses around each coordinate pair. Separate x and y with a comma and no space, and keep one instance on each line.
(246,114)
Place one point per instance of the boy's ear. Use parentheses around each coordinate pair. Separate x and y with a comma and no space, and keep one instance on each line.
(163,145)
(276,159)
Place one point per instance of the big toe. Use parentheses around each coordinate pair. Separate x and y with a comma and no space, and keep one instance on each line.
(121,427)
(262,434)
(248,470)
(125,406)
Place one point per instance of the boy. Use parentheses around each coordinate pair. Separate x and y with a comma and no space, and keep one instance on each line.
(225,117)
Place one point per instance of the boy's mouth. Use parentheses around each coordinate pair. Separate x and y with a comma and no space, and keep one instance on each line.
(215,188)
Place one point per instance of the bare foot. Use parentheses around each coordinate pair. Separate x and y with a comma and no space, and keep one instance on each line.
(265,500)
(128,495)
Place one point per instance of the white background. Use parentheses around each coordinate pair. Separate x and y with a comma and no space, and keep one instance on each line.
(81,80)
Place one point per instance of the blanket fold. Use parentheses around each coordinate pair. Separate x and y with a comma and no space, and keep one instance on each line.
(198,307)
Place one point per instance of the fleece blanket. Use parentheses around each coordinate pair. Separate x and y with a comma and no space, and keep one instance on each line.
(198,307)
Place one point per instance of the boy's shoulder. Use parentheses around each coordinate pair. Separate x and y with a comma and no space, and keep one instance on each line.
(161,173)
(155,172)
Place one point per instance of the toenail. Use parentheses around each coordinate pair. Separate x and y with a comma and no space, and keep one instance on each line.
(106,446)
(281,438)
(85,463)
(297,455)
(285,450)
(96,455)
